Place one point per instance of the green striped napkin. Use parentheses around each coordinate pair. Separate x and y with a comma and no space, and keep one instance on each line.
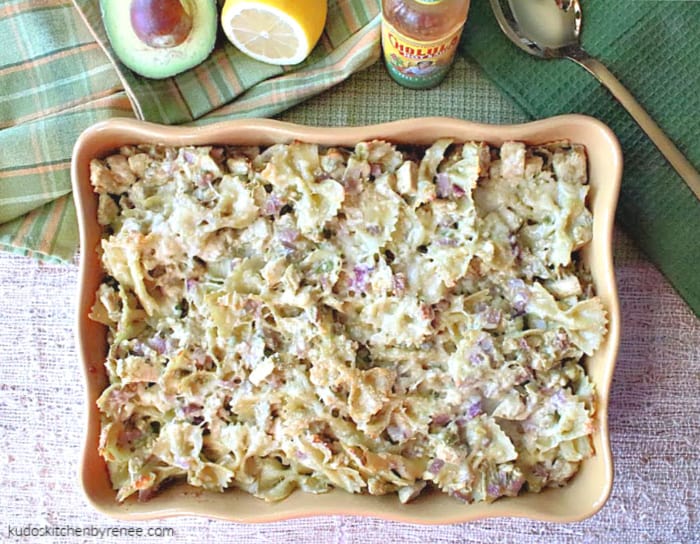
(238,86)
(55,81)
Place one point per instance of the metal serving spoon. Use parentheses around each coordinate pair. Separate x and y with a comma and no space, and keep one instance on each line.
(551,29)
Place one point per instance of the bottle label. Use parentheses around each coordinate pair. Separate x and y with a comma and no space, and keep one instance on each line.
(417,63)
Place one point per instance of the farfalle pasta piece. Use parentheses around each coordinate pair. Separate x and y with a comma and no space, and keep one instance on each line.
(585,322)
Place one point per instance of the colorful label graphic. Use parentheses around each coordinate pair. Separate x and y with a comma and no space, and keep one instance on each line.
(414,63)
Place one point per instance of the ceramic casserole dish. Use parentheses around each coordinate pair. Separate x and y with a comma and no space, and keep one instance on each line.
(584,495)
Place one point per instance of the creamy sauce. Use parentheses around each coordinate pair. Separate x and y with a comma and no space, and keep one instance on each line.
(543,22)
(305,317)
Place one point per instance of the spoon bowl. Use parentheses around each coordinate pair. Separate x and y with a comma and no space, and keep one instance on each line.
(540,27)
(551,29)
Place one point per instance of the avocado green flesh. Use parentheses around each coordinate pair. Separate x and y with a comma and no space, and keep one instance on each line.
(158,63)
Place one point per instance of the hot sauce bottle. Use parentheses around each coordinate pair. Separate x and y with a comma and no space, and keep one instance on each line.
(420,38)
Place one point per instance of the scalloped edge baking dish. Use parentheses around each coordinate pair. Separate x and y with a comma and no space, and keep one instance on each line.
(581,498)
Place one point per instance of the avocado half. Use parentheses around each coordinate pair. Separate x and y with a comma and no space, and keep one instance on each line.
(160,62)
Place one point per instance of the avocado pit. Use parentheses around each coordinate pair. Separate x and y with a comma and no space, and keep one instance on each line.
(160,23)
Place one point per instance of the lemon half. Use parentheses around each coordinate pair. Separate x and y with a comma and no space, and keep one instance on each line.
(274,31)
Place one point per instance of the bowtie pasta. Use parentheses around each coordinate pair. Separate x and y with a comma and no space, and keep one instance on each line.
(378,319)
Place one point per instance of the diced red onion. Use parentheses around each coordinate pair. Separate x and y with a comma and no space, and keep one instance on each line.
(272,205)
(436,466)
(288,237)
(462,496)
(137,349)
(492,318)
(559,398)
(519,295)
(486,344)
(159,344)
(493,490)
(474,410)
(360,278)
(516,485)
(477,357)
(181,462)
(189,156)
(480,307)
(397,434)
(399,284)
(441,419)
(191,410)
(444,187)
(540,470)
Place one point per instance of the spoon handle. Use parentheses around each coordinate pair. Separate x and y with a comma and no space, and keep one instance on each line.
(668,149)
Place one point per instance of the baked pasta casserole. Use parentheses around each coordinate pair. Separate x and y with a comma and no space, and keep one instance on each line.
(379,319)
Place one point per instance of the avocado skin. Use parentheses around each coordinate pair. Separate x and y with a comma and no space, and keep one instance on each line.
(160,63)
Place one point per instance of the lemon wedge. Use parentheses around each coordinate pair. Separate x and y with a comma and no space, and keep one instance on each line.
(274,31)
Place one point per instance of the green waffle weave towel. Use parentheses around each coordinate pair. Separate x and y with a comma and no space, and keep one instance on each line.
(653,47)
